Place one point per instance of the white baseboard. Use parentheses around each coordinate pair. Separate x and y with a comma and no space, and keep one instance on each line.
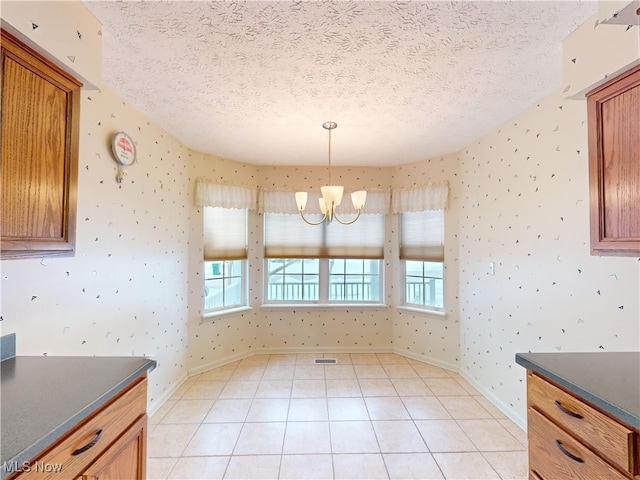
(499,404)
(432,361)
(221,362)
(284,351)
(153,407)
(291,350)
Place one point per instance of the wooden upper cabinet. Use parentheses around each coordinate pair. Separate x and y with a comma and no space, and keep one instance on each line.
(39,157)
(614,165)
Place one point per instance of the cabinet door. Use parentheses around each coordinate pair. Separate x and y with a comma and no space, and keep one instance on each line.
(39,157)
(125,459)
(614,165)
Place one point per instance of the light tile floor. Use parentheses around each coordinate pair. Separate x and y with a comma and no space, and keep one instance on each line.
(370,416)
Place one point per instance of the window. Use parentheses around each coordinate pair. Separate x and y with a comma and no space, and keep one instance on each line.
(293,280)
(422,253)
(354,280)
(422,244)
(424,284)
(315,280)
(225,253)
(225,211)
(223,282)
(323,264)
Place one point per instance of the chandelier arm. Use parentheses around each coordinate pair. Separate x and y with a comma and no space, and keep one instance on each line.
(313,223)
(348,222)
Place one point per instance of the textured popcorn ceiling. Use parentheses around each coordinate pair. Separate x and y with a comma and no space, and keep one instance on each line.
(406,81)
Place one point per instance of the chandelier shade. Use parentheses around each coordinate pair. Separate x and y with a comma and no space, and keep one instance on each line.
(331,195)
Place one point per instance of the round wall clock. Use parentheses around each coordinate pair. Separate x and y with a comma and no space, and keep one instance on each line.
(123,149)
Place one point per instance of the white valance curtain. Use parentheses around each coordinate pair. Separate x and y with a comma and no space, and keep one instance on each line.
(433,196)
(421,212)
(225,218)
(211,194)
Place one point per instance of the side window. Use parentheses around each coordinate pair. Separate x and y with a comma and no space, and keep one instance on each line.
(223,284)
(424,284)
(422,256)
(225,258)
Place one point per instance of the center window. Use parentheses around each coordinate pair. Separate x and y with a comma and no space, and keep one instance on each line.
(315,280)
(329,263)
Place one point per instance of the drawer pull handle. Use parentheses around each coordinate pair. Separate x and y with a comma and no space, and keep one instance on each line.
(567,453)
(564,409)
(92,443)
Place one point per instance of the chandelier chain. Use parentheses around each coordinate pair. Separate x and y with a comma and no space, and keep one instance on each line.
(330,183)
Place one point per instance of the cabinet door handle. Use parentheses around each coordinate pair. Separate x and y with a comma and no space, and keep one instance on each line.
(568,453)
(564,409)
(89,445)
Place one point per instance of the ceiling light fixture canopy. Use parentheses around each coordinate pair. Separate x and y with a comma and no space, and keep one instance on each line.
(331,195)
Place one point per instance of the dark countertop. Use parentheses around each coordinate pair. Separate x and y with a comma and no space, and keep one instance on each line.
(43,397)
(611,381)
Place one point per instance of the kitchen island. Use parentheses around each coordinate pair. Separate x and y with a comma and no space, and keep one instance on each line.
(60,413)
(583,415)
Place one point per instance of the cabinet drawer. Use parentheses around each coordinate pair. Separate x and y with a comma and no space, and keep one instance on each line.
(610,439)
(125,459)
(101,430)
(533,475)
(554,454)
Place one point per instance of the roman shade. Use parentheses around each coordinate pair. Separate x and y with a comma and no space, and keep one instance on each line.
(421,212)
(286,235)
(225,219)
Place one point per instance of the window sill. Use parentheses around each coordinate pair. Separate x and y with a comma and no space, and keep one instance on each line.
(218,314)
(324,306)
(422,311)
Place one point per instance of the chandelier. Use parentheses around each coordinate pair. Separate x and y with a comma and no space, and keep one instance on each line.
(331,195)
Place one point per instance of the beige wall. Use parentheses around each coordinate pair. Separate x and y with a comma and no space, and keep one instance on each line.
(124,292)
(524,205)
(419,335)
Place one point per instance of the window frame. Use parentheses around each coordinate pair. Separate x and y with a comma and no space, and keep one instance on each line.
(228,252)
(417,306)
(208,312)
(324,286)
(425,234)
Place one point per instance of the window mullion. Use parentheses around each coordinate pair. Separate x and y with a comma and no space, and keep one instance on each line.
(323,281)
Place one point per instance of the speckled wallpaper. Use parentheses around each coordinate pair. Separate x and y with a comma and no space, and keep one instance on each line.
(125,291)
(215,342)
(524,207)
(424,336)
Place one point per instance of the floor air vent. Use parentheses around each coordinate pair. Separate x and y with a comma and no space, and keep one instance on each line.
(325,361)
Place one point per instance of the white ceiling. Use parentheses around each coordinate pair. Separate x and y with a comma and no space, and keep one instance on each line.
(405,81)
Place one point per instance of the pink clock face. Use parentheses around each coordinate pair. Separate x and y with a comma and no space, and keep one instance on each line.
(123,149)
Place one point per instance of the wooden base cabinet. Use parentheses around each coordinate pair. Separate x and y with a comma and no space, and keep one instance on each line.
(124,459)
(569,438)
(108,445)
